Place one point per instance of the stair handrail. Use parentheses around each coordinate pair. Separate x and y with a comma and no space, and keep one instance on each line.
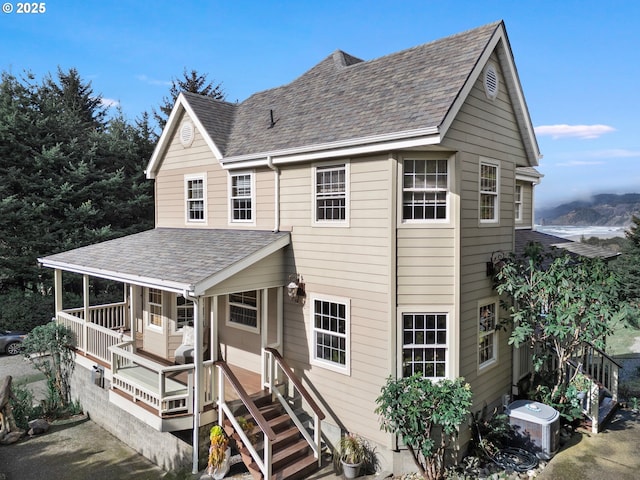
(318,415)
(265,464)
(288,371)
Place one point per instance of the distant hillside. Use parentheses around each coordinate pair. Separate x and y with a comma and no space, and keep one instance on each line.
(606,209)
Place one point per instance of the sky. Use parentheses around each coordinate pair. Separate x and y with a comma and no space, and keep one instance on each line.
(578,61)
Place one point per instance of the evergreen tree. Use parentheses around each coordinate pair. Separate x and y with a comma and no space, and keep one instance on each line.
(70,177)
(192,82)
(628,264)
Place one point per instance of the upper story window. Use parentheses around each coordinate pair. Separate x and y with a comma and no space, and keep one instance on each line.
(424,344)
(330,335)
(425,188)
(489,201)
(243,311)
(331,203)
(195,195)
(184,312)
(242,197)
(154,307)
(518,203)
(487,333)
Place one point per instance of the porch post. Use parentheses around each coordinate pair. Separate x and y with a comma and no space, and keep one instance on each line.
(85,295)
(57,281)
(264,334)
(198,320)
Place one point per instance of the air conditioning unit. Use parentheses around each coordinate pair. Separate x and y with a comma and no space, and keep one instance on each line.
(537,427)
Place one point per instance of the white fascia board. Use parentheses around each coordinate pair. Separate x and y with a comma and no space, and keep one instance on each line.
(318,152)
(201,287)
(510,74)
(159,283)
(529,178)
(169,130)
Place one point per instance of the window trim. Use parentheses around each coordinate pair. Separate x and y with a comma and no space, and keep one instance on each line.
(347,194)
(426,310)
(189,178)
(319,362)
(240,326)
(177,307)
(401,190)
(518,204)
(496,195)
(493,333)
(252,197)
(148,304)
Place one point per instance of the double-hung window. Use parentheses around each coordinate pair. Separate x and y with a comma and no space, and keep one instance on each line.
(425,187)
(518,203)
(242,197)
(424,344)
(487,333)
(331,203)
(330,333)
(195,195)
(243,311)
(489,200)
(184,312)
(154,306)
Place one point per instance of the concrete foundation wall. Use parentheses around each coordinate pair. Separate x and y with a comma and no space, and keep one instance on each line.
(162,448)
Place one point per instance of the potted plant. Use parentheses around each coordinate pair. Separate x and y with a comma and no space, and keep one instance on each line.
(352,453)
(219,453)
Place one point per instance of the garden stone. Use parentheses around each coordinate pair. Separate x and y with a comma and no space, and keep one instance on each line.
(38,426)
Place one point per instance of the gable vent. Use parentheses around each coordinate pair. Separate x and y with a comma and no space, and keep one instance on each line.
(186,134)
(491,82)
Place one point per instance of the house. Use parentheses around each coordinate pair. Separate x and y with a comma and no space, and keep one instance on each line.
(314,240)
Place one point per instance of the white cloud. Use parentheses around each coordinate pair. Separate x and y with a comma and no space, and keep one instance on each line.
(109,102)
(153,81)
(579,163)
(579,131)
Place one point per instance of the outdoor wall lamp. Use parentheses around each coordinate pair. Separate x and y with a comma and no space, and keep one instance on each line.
(495,264)
(295,288)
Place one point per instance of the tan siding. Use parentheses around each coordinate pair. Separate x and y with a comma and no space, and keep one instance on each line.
(268,272)
(484,129)
(527,205)
(350,262)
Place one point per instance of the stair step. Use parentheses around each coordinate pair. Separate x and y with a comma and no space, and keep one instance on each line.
(299,469)
(279,423)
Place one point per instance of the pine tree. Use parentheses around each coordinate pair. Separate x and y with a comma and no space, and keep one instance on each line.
(191,82)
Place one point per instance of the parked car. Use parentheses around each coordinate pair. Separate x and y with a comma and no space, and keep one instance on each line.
(10,341)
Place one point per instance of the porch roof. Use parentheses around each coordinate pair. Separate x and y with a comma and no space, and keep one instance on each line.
(174,259)
(526,236)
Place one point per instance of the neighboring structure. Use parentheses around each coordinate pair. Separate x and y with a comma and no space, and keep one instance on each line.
(343,222)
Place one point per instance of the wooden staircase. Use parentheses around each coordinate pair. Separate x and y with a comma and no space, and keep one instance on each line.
(292,458)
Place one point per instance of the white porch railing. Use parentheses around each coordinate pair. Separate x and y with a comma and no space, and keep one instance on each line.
(151,383)
(112,315)
(296,394)
(90,338)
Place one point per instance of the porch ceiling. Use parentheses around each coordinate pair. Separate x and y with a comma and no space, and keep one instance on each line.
(175,259)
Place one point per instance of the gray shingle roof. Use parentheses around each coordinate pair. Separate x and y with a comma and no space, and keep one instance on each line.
(549,242)
(343,98)
(170,257)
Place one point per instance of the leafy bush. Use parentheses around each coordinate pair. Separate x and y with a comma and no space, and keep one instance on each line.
(23,407)
(419,410)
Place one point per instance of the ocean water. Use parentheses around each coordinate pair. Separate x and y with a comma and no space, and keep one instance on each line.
(575,233)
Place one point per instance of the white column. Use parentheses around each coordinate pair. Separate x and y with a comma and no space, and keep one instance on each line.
(57,280)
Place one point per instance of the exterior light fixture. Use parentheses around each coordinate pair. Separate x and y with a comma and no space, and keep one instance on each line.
(495,264)
(295,288)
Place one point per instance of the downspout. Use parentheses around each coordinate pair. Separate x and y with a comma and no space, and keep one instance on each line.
(197,362)
(276,193)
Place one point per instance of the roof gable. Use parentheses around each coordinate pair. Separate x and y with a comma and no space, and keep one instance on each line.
(213,119)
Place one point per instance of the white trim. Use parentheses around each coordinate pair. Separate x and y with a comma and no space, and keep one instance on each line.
(518,203)
(252,181)
(147,310)
(189,178)
(326,364)
(482,367)
(435,156)
(170,128)
(347,190)
(281,158)
(447,310)
(496,210)
(257,308)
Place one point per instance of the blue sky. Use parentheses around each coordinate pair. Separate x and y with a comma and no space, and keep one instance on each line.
(578,61)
